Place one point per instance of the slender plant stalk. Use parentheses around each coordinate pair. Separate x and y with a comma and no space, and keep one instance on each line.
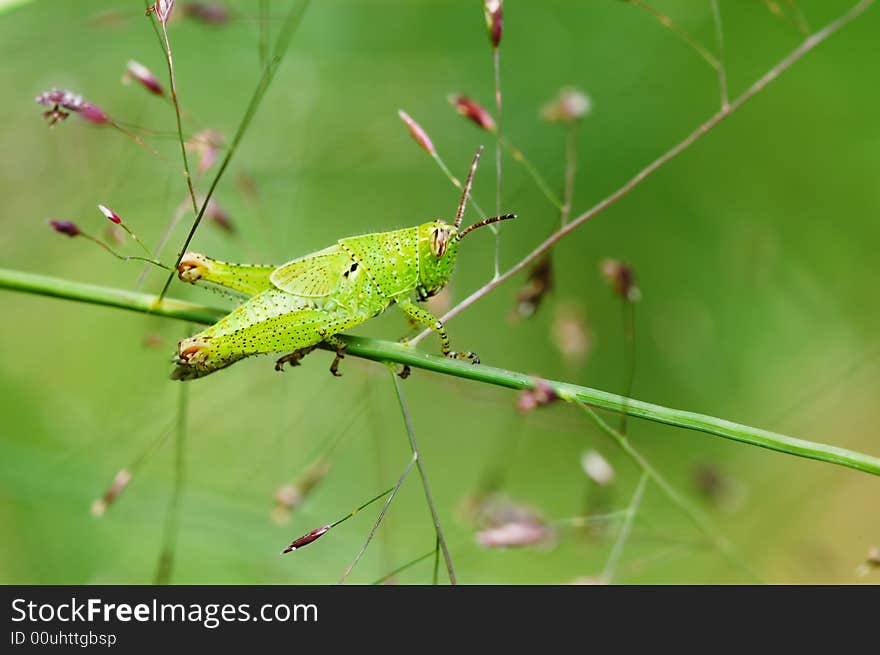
(264,33)
(435,579)
(172,80)
(165,565)
(378,522)
(570,172)
(625,530)
(520,157)
(629,352)
(404,567)
(291,22)
(794,56)
(386,351)
(682,34)
(719,39)
(496,66)
(418,458)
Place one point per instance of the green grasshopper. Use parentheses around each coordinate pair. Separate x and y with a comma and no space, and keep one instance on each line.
(310,300)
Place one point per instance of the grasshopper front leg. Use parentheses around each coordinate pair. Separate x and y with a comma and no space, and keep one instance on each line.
(428,320)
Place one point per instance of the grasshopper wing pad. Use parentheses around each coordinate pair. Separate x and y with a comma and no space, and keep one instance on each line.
(313,276)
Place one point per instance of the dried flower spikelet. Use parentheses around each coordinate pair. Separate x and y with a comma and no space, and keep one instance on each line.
(597,468)
(571,335)
(65,227)
(537,286)
(515,535)
(723,491)
(540,395)
(473,111)
(162,9)
(207,144)
(622,279)
(247,186)
(287,498)
(137,72)
(217,215)
(306,539)
(492,12)
(120,481)
(63,103)
(570,106)
(111,215)
(418,133)
(504,523)
(211,13)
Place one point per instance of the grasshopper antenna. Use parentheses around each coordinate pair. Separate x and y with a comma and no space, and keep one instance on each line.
(483,223)
(467,188)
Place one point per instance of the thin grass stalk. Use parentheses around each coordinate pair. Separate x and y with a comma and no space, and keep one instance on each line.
(386,351)
(425,486)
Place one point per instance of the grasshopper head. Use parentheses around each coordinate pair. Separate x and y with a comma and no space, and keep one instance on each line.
(438,248)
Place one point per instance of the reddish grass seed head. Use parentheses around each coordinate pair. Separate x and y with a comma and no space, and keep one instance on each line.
(418,133)
(306,539)
(621,277)
(137,72)
(472,110)
(492,12)
(207,144)
(162,9)
(120,482)
(536,288)
(65,227)
(62,103)
(540,395)
(111,215)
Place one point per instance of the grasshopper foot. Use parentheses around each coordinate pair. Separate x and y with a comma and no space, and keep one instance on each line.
(404,372)
(293,358)
(473,358)
(334,367)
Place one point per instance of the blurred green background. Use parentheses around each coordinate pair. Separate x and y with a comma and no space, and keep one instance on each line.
(755,252)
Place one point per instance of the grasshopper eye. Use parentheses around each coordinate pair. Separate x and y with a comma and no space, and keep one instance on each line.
(439,242)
